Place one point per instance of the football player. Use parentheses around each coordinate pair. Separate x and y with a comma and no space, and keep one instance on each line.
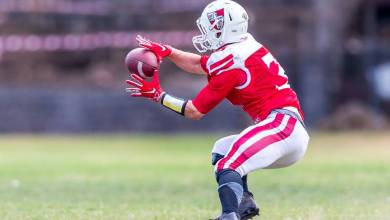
(242,70)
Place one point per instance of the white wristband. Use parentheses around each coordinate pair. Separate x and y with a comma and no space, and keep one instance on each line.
(175,104)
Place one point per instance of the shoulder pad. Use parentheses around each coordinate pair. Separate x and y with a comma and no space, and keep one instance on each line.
(232,57)
(221,61)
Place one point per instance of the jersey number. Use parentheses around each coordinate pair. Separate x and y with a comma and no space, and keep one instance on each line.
(275,69)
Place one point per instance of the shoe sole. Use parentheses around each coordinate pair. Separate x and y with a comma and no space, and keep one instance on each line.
(250,213)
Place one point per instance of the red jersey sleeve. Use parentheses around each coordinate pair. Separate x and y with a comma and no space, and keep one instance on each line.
(216,90)
(203,63)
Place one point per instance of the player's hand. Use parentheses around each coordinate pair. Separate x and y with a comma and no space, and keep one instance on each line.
(159,49)
(142,88)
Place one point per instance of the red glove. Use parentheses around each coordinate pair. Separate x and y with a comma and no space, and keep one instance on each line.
(142,88)
(159,49)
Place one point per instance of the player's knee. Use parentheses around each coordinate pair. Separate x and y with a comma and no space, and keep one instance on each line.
(222,145)
(219,143)
(215,157)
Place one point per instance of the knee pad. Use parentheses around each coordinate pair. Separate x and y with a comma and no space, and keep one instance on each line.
(215,158)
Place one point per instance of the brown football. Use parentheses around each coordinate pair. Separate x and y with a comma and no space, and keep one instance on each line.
(142,62)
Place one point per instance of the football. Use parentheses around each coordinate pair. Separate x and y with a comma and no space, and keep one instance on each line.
(142,62)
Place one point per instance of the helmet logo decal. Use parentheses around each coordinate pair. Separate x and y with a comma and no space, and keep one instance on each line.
(216,18)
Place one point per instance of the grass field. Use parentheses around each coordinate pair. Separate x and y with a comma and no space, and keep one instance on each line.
(344,176)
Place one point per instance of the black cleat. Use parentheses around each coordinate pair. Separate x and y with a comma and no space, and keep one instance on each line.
(248,207)
(230,216)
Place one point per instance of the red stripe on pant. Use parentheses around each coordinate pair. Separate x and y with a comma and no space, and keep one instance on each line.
(273,124)
(263,143)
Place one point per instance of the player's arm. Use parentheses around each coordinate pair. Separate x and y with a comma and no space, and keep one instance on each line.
(191,112)
(183,107)
(189,62)
(152,90)
(186,61)
(207,99)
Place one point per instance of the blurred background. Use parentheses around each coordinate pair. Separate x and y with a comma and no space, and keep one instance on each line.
(62,69)
(73,145)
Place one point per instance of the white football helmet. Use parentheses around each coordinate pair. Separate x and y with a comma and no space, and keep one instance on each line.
(222,22)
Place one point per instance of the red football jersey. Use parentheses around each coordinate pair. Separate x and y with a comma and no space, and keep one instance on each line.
(247,75)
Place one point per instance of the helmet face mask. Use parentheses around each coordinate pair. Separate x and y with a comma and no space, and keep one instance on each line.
(222,22)
(206,41)
(201,44)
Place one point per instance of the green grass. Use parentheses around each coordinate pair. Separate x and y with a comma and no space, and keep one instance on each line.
(343,176)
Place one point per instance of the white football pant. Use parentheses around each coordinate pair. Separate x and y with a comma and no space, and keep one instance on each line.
(278,141)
